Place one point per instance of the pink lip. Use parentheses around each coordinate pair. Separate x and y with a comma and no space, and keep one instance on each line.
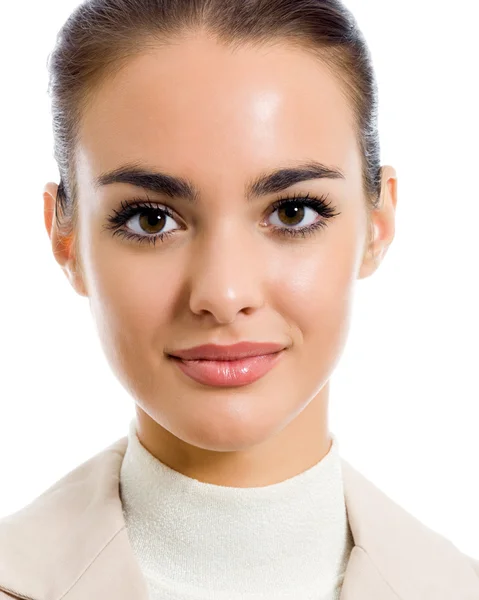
(234,352)
(227,373)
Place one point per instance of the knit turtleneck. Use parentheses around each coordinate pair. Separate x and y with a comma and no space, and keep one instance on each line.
(198,541)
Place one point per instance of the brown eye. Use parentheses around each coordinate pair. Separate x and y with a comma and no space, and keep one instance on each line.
(294,213)
(152,221)
(144,222)
(291,213)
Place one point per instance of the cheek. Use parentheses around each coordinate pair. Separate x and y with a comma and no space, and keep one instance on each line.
(317,292)
(132,297)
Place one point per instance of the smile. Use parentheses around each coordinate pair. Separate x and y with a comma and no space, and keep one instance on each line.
(228,373)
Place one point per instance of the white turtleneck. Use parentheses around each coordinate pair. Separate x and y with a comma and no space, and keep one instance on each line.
(199,541)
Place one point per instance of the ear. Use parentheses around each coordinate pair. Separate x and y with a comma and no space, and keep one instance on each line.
(381,224)
(63,247)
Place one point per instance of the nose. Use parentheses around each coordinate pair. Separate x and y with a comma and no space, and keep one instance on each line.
(226,276)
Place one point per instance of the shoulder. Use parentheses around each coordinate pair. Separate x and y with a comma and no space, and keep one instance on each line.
(84,505)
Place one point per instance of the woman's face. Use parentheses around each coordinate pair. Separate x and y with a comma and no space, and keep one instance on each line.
(226,271)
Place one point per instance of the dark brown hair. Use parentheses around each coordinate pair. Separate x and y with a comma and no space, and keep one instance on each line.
(100,36)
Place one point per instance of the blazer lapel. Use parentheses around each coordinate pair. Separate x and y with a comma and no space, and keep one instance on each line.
(113,574)
(362,580)
(71,543)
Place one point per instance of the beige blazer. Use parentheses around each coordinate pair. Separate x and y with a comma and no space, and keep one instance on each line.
(71,543)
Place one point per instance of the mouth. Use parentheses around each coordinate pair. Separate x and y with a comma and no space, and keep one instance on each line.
(230,372)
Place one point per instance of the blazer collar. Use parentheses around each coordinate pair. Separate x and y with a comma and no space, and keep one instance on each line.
(45,554)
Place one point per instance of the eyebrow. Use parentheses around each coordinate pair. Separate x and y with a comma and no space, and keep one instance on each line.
(179,187)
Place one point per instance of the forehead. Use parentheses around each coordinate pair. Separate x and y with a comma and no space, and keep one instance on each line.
(218,113)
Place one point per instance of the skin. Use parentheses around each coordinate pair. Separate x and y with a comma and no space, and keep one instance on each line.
(222,276)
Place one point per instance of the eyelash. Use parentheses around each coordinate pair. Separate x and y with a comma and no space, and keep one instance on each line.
(130,208)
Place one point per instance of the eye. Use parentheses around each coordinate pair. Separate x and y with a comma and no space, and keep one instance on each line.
(143,222)
(302,210)
(151,221)
(293,213)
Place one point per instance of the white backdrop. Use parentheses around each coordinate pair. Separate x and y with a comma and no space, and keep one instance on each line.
(405,396)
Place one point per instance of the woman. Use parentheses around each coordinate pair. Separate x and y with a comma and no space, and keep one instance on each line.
(220,194)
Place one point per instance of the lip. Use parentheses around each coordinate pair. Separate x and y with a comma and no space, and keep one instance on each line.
(228,373)
(234,352)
